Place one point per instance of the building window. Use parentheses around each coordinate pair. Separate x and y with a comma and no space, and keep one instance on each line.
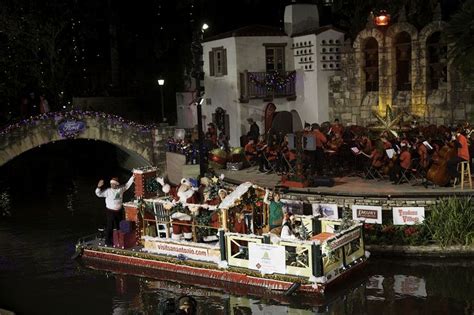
(275,58)
(403,57)
(371,54)
(218,62)
(436,68)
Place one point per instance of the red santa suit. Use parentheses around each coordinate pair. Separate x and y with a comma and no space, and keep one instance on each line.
(181,221)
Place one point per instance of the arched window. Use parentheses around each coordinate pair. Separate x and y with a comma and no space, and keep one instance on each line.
(371,53)
(436,54)
(403,57)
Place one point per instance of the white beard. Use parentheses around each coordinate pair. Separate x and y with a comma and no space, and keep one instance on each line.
(185,195)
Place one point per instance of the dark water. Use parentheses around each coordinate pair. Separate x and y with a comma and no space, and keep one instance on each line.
(47,203)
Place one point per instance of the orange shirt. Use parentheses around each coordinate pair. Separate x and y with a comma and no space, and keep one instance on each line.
(250,148)
(463,151)
(291,155)
(405,159)
(387,145)
(376,158)
(423,153)
(320,138)
(337,128)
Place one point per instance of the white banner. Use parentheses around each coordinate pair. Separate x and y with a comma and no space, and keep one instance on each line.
(267,258)
(172,249)
(368,214)
(326,210)
(409,285)
(408,215)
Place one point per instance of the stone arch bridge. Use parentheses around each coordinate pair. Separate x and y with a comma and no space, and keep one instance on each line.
(143,145)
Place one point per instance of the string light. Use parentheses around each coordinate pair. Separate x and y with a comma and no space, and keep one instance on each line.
(273,80)
(108,119)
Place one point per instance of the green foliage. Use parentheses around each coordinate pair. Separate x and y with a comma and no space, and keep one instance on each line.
(451,221)
(389,234)
(461,38)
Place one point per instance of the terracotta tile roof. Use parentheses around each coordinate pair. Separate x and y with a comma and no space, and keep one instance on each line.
(251,30)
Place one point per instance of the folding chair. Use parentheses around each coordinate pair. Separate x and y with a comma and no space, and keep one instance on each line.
(270,162)
(409,174)
(372,172)
(162,219)
(289,168)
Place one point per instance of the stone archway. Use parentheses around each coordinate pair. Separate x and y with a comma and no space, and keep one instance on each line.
(146,143)
(359,44)
(391,80)
(425,33)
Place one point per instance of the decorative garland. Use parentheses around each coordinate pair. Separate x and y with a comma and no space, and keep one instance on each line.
(151,185)
(78,114)
(273,80)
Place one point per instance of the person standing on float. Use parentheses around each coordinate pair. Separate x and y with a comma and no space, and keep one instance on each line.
(113,204)
(275,217)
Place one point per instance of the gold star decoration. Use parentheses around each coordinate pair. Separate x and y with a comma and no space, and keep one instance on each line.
(388,123)
(215,179)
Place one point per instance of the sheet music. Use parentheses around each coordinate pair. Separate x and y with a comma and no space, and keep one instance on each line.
(390,153)
(426,143)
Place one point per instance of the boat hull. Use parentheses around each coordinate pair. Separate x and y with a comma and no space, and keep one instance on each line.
(231,281)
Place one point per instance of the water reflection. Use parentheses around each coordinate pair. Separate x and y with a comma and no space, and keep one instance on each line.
(420,291)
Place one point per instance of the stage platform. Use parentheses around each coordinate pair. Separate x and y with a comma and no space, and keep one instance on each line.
(349,186)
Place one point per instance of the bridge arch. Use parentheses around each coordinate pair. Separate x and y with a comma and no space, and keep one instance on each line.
(143,143)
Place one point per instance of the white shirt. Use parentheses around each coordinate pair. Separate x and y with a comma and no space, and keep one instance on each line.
(113,196)
(286,232)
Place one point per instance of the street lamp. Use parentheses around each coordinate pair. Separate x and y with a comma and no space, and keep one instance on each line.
(198,74)
(161,82)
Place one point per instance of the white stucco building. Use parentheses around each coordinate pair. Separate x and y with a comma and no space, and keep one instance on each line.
(254,66)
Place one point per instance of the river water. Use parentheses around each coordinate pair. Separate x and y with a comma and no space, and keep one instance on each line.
(47,202)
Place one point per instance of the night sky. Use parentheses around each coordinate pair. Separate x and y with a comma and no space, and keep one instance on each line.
(152,40)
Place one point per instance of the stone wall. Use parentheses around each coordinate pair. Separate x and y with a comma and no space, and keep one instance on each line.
(452,102)
(159,146)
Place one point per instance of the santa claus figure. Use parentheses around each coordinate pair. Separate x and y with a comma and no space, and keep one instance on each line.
(181,221)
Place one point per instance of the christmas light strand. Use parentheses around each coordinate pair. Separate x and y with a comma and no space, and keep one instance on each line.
(77,115)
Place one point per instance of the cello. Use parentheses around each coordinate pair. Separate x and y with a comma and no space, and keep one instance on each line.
(438,173)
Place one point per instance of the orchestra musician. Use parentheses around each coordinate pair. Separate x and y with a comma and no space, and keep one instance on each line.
(423,155)
(337,128)
(250,150)
(288,155)
(402,163)
(376,156)
(460,142)
(333,151)
(262,162)
(320,140)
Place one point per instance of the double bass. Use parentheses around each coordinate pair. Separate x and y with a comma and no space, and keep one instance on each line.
(438,172)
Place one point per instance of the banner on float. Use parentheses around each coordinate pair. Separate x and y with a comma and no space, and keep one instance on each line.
(267,258)
(368,214)
(409,285)
(292,206)
(325,210)
(408,215)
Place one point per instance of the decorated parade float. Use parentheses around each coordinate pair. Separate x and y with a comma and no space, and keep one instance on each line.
(207,232)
